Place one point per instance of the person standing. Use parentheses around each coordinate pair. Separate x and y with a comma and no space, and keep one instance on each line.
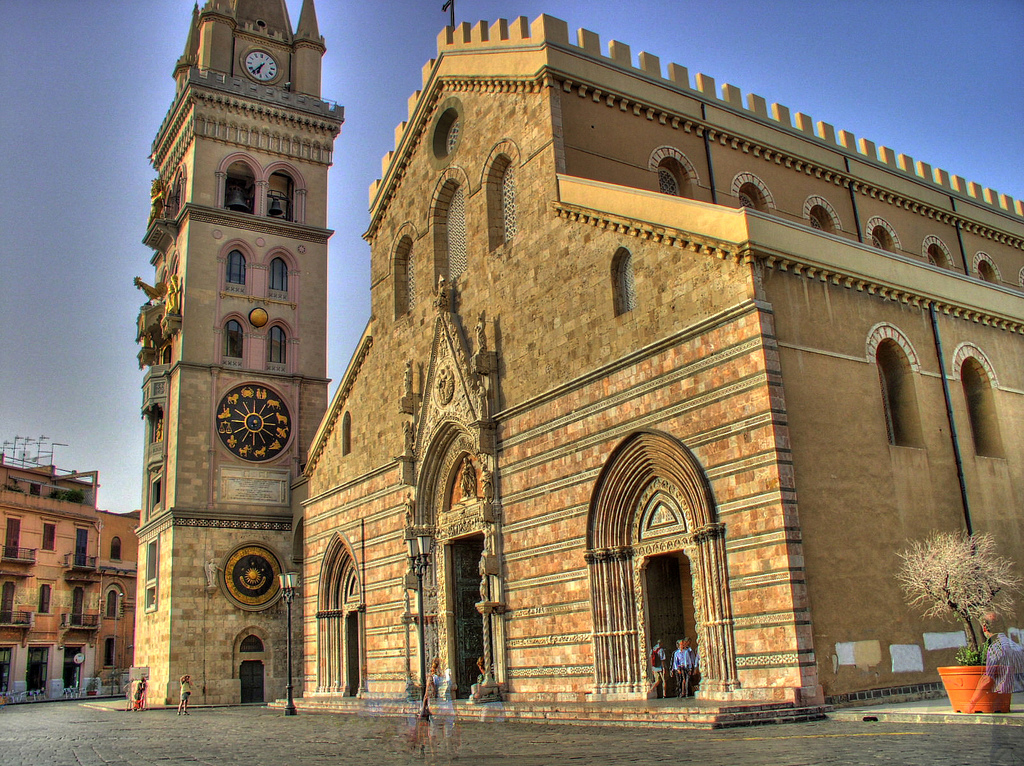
(657,672)
(1004,662)
(186,692)
(685,663)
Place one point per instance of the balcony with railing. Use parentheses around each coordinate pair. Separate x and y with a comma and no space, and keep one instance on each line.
(80,621)
(15,618)
(16,555)
(80,568)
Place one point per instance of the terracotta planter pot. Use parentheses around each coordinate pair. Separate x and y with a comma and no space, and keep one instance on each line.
(961,681)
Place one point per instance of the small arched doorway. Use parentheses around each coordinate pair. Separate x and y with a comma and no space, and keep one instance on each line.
(656,555)
(340,652)
(250,670)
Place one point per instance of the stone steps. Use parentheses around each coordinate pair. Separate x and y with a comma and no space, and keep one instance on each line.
(661,714)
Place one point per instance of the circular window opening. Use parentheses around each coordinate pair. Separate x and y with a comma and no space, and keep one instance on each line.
(446,134)
(261,23)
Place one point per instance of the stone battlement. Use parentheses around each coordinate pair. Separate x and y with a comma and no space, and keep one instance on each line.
(243,87)
(549,31)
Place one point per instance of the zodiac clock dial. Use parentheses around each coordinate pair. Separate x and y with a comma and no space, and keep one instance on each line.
(253,423)
(251,576)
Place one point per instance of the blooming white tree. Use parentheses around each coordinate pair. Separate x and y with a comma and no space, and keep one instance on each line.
(953,574)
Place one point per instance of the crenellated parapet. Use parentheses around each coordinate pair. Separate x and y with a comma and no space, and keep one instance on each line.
(547,57)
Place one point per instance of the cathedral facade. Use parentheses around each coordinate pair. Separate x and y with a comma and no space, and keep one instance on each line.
(233,338)
(650,360)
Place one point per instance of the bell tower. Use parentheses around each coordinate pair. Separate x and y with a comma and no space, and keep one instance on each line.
(233,344)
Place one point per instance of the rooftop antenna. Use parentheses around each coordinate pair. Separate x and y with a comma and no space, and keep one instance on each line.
(450,5)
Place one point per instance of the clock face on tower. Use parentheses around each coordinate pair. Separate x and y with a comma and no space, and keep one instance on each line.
(261,66)
(251,576)
(253,423)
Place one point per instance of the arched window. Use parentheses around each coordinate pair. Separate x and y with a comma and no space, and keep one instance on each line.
(346,434)
(279,275)
(676,174)
(456,234)
(280,196)
(112,599)
(236,268)
(750,196)
(820,219)
(278,346)
(981,409)
(239,188)
(233,340)
(936,253)
(673,178)
(899,398)
(881,239)
(115,548)
(405,278)
(508,202)
(623,287)
(986,272)
(251,644)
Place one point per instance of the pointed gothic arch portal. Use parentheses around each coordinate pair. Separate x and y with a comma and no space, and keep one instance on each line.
(656,555)
(340,649)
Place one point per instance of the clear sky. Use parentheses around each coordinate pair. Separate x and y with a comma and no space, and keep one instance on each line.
(84,85)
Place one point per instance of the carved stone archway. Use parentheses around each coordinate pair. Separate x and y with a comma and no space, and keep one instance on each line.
(340,623)
(651,498)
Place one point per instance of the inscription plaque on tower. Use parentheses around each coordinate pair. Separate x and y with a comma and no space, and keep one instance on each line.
(258,486)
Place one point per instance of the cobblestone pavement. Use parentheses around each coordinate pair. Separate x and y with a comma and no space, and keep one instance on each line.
(72,734)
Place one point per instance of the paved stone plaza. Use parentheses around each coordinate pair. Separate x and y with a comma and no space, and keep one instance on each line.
(72,734)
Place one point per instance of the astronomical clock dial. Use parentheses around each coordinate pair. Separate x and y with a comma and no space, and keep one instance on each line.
(251,577)
(261,66)
(253,422)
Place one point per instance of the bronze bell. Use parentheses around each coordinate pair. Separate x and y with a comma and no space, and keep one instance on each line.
(235,200)
(276,209)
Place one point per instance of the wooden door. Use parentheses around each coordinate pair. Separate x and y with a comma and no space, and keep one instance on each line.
(469,626)
(251,675)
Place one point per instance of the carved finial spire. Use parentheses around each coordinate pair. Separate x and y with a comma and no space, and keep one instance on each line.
(189,57)
(308,28)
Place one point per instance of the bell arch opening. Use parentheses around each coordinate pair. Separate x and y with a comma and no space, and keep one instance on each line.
(657,564)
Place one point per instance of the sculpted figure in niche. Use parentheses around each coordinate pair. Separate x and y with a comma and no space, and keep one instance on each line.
(211,574)
(408,378)
(408,510)
(487,485)
(173,303)
(410,438)
(468,479)
(481,334)
(441,299)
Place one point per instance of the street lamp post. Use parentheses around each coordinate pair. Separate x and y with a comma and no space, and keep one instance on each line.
(288,582)
(419,557)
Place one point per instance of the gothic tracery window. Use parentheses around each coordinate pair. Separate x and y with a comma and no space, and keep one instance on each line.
(457,234)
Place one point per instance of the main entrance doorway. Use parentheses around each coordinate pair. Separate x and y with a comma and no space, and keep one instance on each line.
(669,593)
(250,673)
(469,627)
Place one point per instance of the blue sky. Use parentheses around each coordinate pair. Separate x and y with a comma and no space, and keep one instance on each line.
(84,85)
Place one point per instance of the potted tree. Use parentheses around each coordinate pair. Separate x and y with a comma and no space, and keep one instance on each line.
(960,576)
